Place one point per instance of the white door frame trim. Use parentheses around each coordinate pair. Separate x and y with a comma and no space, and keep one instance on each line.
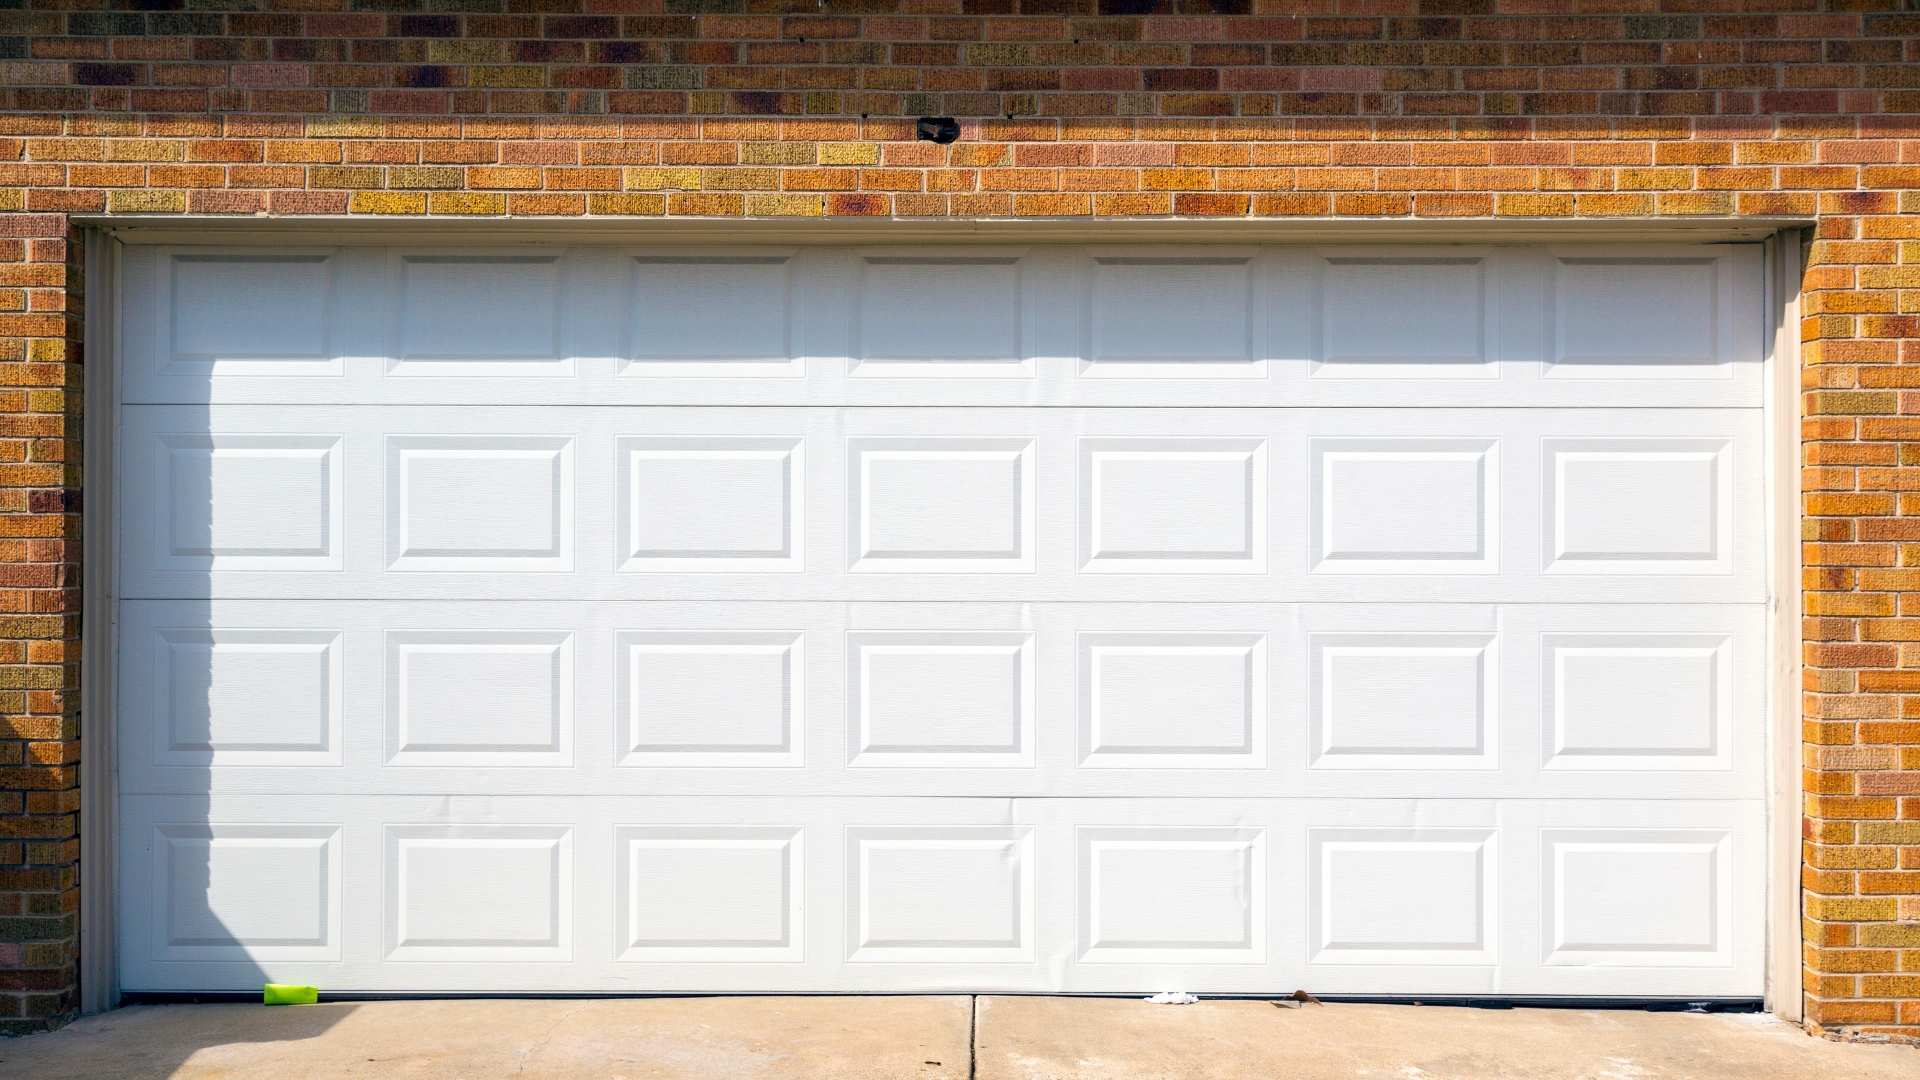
(99,842)
(1784,962)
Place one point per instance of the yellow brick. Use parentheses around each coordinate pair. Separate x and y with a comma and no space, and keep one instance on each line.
(424,176)
(627,205)
(1655,179)
(343,176)
(779,153)
(849,153)
(386,202)
(1890,832)
(697,204)
(1519,205)
(520,178)
(1615,205)
(735,179)
(145,150)
(32,626)
(466,202)
(1829,857)
(466,51)
(654,179)
(1858,604)
(146,202)
(1891,935)
(1882,986)
(1853,961)
(1852,909)
(1889,228)
(344,127)
(784,205)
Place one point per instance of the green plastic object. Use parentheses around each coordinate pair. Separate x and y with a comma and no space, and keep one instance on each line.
(279,994)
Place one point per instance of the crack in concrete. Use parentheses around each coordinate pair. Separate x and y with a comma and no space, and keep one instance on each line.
(520,1065)
(973,1036)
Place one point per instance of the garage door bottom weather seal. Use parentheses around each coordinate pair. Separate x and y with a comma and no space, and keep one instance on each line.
(1650,1004)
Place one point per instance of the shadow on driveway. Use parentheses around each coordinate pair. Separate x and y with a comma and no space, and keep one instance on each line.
(155,1042)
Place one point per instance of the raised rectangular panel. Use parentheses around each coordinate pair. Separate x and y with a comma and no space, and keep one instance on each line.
(248,502)
(1173,895)
(241,893)
(479,315)
(1637,897)
(940,505)
(709,893)
(246,697)
(1639,506)
(1404,318)
(714,504)
(479,697)
(480,503)
(720,698)
(479,892)
(1639,701)
(1403,701)
(1405,506)
(1401,896)
(1638,318)
(939,698)
(231,315)
(719,316)
(941,317)
(940,894)
(1172,317)
(1173,506)
(1173,700)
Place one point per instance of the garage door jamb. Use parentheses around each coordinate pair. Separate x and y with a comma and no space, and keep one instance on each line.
(1784,962)
(99,849)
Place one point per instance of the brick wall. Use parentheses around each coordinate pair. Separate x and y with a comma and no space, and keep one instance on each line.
(1861,484)
(1277,108)
(40,309)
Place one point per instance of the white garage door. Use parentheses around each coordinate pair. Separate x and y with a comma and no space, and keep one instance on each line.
(1383,621)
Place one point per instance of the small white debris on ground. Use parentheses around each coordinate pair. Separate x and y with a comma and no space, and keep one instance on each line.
(1172,997)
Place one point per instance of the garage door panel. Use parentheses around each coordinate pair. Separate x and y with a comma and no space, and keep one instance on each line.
(239,696)
(1249,700)
(1006,326)
(950,504)
(229,310)
(1092,895)
(480,313)
(1691,316)
(1508,885)
(1630,896)
(942,314)
(595,901)
(1392,314)
(728,618)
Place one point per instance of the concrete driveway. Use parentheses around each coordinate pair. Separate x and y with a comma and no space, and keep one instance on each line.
(930,1038)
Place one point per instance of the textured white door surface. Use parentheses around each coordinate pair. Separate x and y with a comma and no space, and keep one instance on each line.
(1235,620)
